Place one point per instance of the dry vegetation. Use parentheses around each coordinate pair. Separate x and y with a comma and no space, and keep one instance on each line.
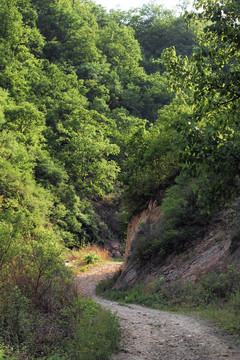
(86,257)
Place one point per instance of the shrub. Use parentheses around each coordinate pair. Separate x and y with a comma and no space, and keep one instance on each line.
(91,258)
(181,220)
(97,333)
(38,301)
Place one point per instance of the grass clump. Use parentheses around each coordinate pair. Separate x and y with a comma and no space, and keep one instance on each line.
(97,334)
(91,258)
(136,295)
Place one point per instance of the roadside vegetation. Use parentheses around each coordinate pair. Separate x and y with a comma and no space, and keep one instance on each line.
(42,315)
(215,297)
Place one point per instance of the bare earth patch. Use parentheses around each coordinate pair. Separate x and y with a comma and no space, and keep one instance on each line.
(158,335)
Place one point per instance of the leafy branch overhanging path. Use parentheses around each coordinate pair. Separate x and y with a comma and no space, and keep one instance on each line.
(158,335)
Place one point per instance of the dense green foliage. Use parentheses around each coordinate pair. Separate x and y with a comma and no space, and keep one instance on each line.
(208,86)
(89,111)
(157,29)
(71,86)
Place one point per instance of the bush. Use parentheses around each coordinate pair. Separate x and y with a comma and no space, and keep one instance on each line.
(91,258)
(181,221)
(40,314)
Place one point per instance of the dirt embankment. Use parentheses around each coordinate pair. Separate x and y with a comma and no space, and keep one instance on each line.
(157,335)
(214,246)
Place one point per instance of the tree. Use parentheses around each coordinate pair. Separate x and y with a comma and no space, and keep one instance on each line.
(209,134)
(70,31)
(157,29)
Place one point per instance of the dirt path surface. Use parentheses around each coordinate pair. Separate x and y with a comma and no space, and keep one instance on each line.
(157,335)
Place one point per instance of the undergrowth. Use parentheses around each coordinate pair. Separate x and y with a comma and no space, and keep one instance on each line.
(216,297)
(41,314)
(97,334)
(86,257)
(82,331)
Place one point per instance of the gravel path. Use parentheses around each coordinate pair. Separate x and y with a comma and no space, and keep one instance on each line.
(158,335)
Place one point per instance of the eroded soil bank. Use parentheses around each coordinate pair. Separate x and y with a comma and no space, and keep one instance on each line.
(158,335)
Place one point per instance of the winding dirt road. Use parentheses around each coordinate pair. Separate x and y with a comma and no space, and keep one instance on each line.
(158,335)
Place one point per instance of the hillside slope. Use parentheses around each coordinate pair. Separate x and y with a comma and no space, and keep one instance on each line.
(213,251)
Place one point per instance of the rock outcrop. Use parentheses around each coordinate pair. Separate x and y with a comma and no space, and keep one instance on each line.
(208,253)
(151,216)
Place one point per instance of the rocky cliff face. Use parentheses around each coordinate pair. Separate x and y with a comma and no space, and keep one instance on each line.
(211,252)
(151,216)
